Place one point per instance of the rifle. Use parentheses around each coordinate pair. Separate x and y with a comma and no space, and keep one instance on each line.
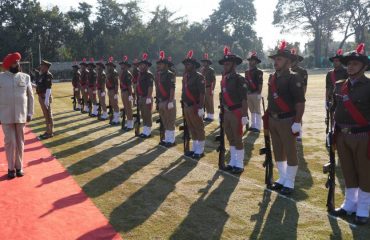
(267,164)
(327,120)
(329,168)
(90,107)
(82,105)
(137,118)
(74,102)
(221,138)
(99,110)
(159,121)
(184,127)
(123,115)
(110,113)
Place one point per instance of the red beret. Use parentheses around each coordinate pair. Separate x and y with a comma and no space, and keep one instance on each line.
(10,59)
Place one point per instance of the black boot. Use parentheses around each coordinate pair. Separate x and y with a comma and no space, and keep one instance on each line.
(276,186)
(361,220)
(11,174)
(286,191)
(19,173)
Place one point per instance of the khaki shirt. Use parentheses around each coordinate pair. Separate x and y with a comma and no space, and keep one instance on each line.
(302,73)
(167,80)
(257,78)
(359,94)
(196,85)
(16,97)
(210,77)
(236,87)
(340,74)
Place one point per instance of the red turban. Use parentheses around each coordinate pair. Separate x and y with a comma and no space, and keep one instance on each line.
(10,59)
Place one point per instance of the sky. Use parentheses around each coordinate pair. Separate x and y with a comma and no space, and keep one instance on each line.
(198,10)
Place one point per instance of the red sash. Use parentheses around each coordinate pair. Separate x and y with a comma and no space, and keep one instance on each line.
(139,89)
(333,78)
(250,80)
(278,100)
(229,102)
(353,111)
(160,86)
(123,85)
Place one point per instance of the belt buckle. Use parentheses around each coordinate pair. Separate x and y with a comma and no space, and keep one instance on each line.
(275,95)
(275,115)
(346,130)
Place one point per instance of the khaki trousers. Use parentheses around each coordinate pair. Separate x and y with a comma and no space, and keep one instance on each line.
(102,103)
(195,124)
(127,104)
(77,95)
(146,111)
(168,116)
(14,144)
(92,96)
(283,140)
(113,102)
(352,153)
(254,104)
(48,114)
(209,104)
(85,95)
(232,126)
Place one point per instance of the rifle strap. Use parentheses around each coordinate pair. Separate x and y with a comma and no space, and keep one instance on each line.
(248,77)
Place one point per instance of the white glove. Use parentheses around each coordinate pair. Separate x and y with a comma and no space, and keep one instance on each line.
(296,128)
(148,101)
(115,97)
(259,97)
(170,105)
(94,92)
(245,121)
(131,98)
(47,102)
(102,94)
(76,89)
(201,112)
(85,90)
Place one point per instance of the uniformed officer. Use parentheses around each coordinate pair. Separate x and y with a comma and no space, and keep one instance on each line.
(112,86)
(352,118)
(302,73)
(334,75)
(43,90)
(127,92)
(92,87)
(254,78)
(101,81)
(171,65)
(165,82)
(135,76)
(286,102)
(84,85)
(76,85)
(193,97)
(144,89)
(210,77)
(235,103)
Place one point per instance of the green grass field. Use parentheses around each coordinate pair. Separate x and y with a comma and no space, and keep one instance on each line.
(149,192)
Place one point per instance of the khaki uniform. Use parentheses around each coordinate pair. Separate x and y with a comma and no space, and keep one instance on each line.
(112,86)
(290,88)
(210,77)
(101,80)
(164,83)
(303,74)
(43,83)
(126,91)
(196,86)
(84,88)
(254,78)
(236,88)
(92,86)
(331,78)
(16,103)
(76,86)
(145,81)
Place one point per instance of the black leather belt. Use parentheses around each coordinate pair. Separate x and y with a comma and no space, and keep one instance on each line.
(354,130)
(233,107)
(282,115)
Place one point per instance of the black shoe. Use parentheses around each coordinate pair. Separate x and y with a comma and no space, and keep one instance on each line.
(254,130)
(142,135)
(208,120)
(19,173)
(198,156)
(162,143)
(228,168)
(46,136)
(128,129)
(170,145)
(339,212)
(276,186)
(361,220)
(286,191)
(189,154)
(237,170)
(11,174)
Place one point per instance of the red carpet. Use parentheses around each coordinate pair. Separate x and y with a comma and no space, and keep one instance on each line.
(46,203)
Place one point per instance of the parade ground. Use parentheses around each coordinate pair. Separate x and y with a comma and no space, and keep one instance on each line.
(93,181)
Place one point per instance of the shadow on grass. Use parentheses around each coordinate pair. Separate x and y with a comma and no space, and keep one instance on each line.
(145,202)
(249,146)
(305,180)
(259,217)
(207,216)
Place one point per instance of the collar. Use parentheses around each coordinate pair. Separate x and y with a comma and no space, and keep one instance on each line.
(283,73)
